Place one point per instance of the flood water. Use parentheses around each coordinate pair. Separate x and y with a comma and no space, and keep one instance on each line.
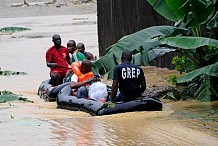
(41,123)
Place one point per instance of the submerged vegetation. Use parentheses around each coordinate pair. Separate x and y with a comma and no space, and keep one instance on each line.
(7,72)
(13,29)
(194,37)
(6,96)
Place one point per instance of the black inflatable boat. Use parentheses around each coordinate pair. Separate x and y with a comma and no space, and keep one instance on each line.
(48,92)
(98,108)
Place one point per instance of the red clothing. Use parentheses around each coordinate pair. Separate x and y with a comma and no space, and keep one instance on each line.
(61,57)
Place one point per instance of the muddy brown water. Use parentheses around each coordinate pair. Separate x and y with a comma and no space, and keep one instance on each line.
(41,123)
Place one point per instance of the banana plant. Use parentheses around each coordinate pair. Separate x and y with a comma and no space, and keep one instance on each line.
(144,44)
(207,78)
(192,14)
(200,17)
(192,36)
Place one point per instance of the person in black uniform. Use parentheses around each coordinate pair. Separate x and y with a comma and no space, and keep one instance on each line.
(129,78)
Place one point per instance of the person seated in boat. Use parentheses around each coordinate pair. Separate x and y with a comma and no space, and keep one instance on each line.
(81,48)
(129,78)
(82,78)
(58,60)
(75,54)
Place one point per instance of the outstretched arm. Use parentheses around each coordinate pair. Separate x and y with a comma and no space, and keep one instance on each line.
(75,85)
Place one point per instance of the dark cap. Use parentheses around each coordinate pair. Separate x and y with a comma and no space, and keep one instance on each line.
(126,55)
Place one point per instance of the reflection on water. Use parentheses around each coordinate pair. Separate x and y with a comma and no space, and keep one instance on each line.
(41,123)
(97,131)
(79,131)
(138,128)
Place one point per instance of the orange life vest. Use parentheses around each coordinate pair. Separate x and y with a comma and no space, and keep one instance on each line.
(76,69)
(86,76)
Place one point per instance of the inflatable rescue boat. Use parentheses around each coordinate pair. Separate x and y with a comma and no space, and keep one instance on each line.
(97,108)
(48,92)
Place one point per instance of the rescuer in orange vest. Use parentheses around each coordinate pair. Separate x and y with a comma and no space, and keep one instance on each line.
(82,78)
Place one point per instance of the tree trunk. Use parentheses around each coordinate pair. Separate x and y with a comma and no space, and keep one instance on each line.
(117,18)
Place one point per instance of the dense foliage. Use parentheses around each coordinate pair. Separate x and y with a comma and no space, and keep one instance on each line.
(193,36)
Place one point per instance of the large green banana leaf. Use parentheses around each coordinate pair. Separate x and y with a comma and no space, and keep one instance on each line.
(135,43)
(206,91)
(137,39)
(192,12)
(162,8)
(186,42)
(211,70)
(145,48)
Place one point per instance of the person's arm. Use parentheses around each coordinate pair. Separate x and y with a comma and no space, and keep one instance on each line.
(114,90)
(75,85)
(68,59)
(49,64)
(143,81)
(143,86)
(49,59)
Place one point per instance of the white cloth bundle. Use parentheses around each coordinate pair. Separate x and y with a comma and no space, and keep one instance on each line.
(98,91)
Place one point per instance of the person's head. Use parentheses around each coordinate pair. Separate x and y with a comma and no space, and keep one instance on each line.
(85,66)
(80,47)
(57,41)
(71,46)
(126,56)
(89,56)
